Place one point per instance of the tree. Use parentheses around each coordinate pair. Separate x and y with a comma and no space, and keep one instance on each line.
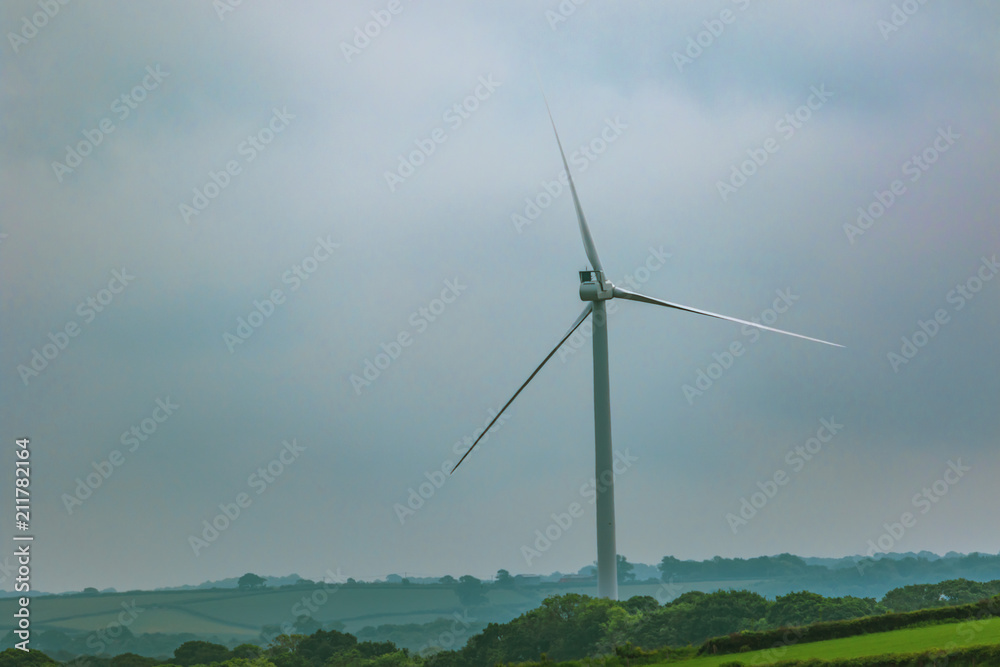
(90,590)
(470,591)
(283,651)
(616,630)
(504,580)
(319,647)
(448,579)
(133,660)
(306,625)
(247,651)
(625,570)
(250,580)
(199,653)
(641,603)
(259,661)
(13,657)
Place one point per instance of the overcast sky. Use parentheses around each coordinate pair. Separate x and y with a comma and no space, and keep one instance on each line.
(217,219)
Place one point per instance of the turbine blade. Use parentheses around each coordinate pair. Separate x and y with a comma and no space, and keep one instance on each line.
(634,296)
(588,241)
(579,321)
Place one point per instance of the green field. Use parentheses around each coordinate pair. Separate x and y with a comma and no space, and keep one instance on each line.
(909,640)
(240,614)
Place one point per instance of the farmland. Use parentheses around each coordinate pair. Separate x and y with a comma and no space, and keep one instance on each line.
(239,615)
(910,640)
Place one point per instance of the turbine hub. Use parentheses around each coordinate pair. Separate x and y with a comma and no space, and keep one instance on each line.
(595,287)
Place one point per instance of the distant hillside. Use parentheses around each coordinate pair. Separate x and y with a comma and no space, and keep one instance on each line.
(443,616)
(233,582)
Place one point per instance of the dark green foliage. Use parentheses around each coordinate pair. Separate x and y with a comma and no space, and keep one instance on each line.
(625,570)
(504,580)
(786,572)
(88,661)
(470,591)
(837,629)
(306,625)
(321,645)
(250,580)
(375,649)
(441,634)
(564,627)
(803,607)
(133,660)
(199,653)
(694,617)
(594,632)
(976,656)
(247,651)
(321,649)
(640,603)
(945,593)
(13,657)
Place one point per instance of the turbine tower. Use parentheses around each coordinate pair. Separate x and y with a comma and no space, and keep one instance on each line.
(596,289)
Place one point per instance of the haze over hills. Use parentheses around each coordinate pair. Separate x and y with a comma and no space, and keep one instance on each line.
(412,612)
(973,565)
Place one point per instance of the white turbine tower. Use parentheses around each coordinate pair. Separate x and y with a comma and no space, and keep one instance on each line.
(595,289)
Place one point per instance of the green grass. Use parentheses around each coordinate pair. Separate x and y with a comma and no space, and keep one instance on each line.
(909,640)
(242,613)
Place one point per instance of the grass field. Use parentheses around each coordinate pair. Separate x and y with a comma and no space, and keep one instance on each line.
(234,613)
(910,640)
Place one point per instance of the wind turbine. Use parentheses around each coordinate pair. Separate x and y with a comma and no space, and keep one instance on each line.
(596,289)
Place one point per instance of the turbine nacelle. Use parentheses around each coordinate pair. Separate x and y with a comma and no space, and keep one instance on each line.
(595,287)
